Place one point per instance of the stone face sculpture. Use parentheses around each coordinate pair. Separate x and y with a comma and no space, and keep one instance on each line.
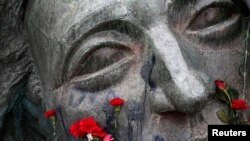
(160,56)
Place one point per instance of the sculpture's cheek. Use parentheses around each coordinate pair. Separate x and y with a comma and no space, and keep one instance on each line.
(220,61)
(76,102)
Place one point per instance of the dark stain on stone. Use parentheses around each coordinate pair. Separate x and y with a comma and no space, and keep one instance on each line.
(109,111)
(130,131)
(135,111)
(146,71)
(59,114)
(158,138)
(135,116)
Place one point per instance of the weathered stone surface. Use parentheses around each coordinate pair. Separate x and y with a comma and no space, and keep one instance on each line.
(160,56)
(20,107)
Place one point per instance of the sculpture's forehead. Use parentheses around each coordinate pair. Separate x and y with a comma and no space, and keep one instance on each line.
(152,6)
(56,17)
(77,9)
(143,8)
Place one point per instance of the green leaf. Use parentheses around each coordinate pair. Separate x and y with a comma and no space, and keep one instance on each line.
(222,116)
(234,94)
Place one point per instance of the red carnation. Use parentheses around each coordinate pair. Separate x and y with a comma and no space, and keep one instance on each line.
(87,124)
(239,104)
(74,129)
(49,113)
(98,132)
(220,84)
(116,101)
(108,137)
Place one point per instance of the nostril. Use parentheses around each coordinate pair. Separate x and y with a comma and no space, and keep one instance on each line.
(191,98)
(169,98)
(190,104)
(190,101)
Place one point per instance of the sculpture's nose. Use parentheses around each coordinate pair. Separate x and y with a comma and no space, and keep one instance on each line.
(177,84)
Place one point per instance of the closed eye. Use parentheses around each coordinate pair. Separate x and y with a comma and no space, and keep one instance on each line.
(210,17)
(215,22)
(103,56)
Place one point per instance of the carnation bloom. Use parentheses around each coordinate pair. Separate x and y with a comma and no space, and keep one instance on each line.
(49,113)
(116,101)
(108,137)
(239,104)
(87,124)
(74,129)
(98,132)
(220,84)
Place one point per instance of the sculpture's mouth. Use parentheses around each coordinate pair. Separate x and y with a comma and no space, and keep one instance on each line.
(174,114)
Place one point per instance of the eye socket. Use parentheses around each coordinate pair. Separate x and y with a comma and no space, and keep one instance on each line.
(99,58)
(210,17)
(215,24)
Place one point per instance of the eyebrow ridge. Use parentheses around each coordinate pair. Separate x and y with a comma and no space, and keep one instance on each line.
(88,23)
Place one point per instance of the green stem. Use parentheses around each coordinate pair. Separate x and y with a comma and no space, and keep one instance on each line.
(237,118)
(227,97)
(231,115)
(96,139)
(116,120)
(53,119)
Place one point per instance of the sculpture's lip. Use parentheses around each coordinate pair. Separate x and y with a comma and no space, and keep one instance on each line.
(173,113)
(175,117)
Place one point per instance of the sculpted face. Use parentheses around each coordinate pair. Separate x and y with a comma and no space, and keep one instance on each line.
(160,56)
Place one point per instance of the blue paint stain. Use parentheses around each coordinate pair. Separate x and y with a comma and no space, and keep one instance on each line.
(158,138)
(135,111)
(75,101)
(92,97)
(135,114)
